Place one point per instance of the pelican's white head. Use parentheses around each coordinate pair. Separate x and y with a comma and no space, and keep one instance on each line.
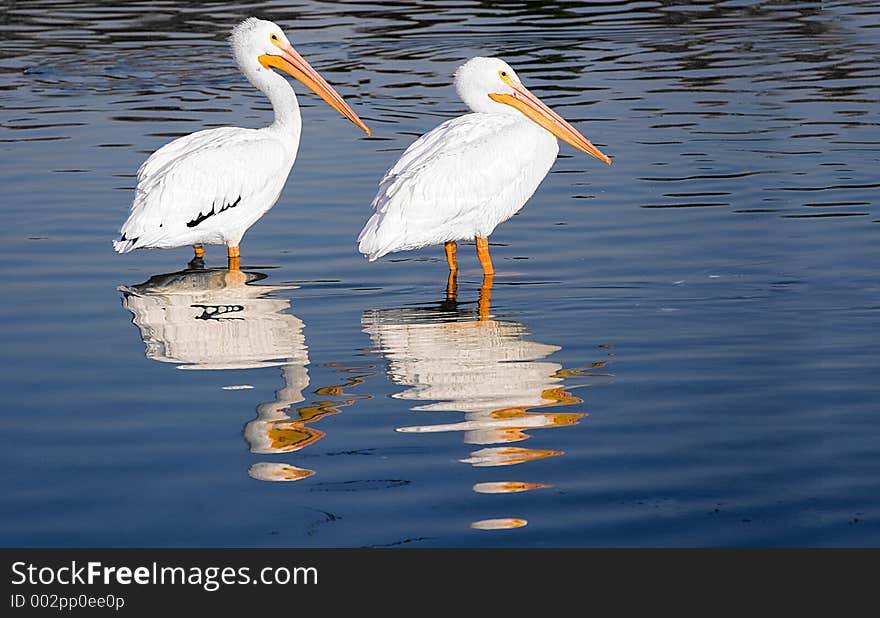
(478,77)
(253,38)
(491,86)
(260,45)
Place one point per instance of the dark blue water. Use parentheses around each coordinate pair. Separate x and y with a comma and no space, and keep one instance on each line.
(680,349)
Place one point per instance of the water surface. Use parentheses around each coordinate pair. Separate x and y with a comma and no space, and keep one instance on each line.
(679,349)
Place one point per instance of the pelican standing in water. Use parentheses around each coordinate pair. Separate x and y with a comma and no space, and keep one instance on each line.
(209,187)
(463,178)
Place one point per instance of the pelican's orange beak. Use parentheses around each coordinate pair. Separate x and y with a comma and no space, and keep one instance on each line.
(537,111)
(295,65)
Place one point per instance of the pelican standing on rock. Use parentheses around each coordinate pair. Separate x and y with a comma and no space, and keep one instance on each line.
(463,178)
(209,187)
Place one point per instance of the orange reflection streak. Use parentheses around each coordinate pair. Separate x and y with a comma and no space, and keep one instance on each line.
(507,487)
(275,432)
(577,372)
(499,524)
(287,436)
(507,456)
(507,425)
(337,390)
(277,472)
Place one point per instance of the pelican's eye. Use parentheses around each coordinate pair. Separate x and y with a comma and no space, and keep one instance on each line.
(274,37)
(505,77)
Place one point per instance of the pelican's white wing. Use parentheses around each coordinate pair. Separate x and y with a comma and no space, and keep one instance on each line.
(207,187)
(458,181)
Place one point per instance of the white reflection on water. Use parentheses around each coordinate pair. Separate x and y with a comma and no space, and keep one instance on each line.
(215,319)
(457,359)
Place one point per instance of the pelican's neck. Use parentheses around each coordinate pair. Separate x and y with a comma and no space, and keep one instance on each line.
(288,122)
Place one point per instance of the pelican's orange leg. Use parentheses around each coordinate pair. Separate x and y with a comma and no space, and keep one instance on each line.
(452,281)
(483,254)
(234,256)
(450,256)
(200,251)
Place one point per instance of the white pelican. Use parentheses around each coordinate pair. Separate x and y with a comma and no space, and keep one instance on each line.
(209,187)
(463,178)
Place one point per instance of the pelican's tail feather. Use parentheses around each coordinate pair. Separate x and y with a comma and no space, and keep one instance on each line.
(124,245)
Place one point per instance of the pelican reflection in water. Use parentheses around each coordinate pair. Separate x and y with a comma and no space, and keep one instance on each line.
(454,358)
(218,319)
